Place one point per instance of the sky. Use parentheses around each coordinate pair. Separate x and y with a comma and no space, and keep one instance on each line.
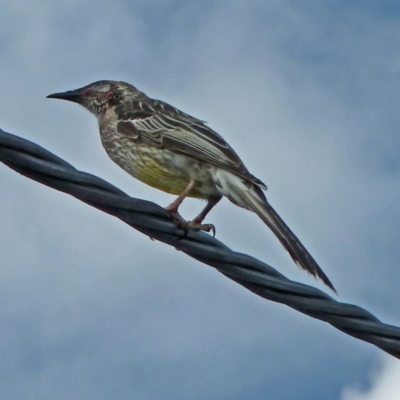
(307,94)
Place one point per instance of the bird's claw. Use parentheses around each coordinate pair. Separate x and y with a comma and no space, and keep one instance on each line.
(203,227)
(197,226)
(181,222)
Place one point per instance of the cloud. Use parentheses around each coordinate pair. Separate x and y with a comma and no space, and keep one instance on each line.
(384,384)
(307,95)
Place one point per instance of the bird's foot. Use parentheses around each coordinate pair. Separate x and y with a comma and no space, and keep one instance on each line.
(202,227)
(195,224)
(182,223)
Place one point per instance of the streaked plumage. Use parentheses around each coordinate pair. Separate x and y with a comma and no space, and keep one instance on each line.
(179,154)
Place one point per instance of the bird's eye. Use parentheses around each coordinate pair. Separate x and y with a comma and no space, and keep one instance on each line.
(109,96)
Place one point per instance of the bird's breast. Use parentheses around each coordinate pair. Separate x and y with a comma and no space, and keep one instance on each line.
(160,168)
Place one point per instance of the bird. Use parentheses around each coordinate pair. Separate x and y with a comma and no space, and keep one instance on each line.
(170,150)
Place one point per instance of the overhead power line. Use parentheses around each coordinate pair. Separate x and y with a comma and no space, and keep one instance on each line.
(35,162)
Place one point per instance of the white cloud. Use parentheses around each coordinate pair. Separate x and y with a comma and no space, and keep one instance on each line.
(384,385)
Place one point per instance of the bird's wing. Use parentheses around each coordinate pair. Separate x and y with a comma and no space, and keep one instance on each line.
(161,125)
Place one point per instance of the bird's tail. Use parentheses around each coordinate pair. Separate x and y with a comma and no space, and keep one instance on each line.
(249,196)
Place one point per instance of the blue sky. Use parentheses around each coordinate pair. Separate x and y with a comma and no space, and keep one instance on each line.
(307,93)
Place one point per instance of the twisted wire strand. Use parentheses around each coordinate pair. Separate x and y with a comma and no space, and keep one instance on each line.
(37,163)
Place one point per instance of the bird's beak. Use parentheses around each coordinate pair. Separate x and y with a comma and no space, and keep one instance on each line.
(71,95)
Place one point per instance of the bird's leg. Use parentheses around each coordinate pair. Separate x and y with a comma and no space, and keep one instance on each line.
(196,223)
(210,204)
(173,207)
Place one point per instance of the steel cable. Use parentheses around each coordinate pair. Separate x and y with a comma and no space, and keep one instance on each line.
(33,161)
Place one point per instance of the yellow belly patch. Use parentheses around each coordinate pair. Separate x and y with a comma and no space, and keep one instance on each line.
(156,168)
(160,178)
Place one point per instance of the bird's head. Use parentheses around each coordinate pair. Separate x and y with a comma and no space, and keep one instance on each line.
(99,96)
